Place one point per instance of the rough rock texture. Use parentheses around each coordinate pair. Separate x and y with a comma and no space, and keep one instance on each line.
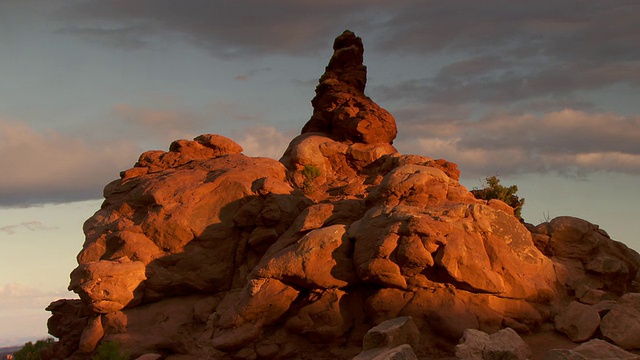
(392,339)
(504,344)
(201,252)
(578,321)
(109,285)
(472,344)
(595,349)
(392,333)
(340,108)
(585,257)
(622,324)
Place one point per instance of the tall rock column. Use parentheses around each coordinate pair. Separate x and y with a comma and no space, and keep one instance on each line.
(347,131)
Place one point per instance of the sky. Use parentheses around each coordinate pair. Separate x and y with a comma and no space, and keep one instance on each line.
(543,94)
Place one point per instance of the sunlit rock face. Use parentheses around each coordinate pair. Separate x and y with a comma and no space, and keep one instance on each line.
(202,252)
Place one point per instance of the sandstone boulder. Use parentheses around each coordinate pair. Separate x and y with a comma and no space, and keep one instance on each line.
(91,335)
(578,321)
(109,285)
(594,296)
(68,322)
(593,259)
(622,324)
(180,152)
(320,259)
(391,339)
(392,333)
(472,344)
(504,344)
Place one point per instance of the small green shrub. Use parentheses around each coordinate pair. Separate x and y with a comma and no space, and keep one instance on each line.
(31,351)
(493,190)
(109,350)
(310,173)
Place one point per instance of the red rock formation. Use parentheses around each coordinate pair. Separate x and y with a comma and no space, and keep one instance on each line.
(202,252)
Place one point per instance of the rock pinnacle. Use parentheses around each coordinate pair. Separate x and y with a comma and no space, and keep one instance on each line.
(341,110)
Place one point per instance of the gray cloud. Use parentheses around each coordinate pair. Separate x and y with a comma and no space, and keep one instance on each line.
(567,142)
(591,30)
(588,30)
(475,81)
(511,97)
(226,28)
(505,52)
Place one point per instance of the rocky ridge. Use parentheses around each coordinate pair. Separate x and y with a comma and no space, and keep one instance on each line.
(204,253)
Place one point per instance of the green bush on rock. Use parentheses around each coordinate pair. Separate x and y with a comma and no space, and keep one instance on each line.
(494,190)
(310,173)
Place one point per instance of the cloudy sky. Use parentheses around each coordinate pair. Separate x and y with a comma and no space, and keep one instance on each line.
(543,94)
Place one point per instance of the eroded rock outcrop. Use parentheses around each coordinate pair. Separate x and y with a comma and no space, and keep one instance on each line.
(202,252)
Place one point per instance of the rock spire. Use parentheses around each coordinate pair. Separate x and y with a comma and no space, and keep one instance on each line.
(202,252)
(340,108)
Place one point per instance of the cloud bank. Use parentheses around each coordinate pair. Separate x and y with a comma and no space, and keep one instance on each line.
(49,166)
(567,142)
(510,88)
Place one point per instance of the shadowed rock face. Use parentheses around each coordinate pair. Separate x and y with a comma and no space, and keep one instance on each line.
(202,252)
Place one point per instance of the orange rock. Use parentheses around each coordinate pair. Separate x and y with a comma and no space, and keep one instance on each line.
(109,285)
(202,252)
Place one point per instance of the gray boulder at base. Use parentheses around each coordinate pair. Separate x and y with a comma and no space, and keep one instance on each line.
(622,324)
(391,339)
(505,344)
(472,344)
(391,333)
